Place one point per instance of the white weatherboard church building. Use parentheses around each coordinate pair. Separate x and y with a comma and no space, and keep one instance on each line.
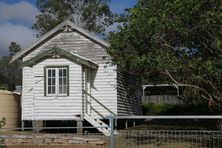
(67,75)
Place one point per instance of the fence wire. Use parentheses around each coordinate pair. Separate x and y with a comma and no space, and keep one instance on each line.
(131,138)
(169,139)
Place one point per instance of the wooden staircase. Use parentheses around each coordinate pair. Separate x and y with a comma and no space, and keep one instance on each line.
(100,125)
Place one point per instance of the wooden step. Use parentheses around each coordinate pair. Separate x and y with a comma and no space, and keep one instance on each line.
(98,124)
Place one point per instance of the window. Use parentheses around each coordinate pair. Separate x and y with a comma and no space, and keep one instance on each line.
(56,83)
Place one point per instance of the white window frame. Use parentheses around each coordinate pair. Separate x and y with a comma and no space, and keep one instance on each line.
(57,93)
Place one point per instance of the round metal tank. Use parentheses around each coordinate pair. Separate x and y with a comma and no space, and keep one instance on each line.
(10,108)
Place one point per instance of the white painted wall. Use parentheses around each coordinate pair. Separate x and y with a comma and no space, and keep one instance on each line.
(103,85)
(104,89)
(53,107)
(27,93)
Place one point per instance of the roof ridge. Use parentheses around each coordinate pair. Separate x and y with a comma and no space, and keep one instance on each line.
(53,31)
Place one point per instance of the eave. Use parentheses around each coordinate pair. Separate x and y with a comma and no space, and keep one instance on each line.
(55,53)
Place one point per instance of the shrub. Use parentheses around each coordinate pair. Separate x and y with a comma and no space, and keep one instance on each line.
(154,109)
(175,109)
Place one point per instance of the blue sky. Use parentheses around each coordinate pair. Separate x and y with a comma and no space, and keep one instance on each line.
(17,17)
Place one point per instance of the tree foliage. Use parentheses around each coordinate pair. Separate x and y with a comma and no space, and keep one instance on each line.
(14,48)
(173,41)
(10,74)
(93,15)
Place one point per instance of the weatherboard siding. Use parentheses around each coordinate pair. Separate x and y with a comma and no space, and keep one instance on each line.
(58,107)
(55,107)
(27,93)
(103,80)
(104,89)
(128,95)
(75,43)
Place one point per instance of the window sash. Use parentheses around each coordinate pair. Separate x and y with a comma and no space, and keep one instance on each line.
(62,81)
(56,81)
(51,81)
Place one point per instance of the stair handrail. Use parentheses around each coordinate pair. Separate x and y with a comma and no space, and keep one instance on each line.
(99,102)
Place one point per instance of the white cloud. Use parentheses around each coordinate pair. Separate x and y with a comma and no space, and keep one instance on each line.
(113,27)
(18,33)
(21,12)
(15,20)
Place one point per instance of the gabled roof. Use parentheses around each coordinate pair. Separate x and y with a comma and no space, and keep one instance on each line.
(55,52)
(56,29)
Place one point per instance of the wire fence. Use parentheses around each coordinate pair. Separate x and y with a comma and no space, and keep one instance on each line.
(125,139)
(169,139)
(134,138)
(130,138)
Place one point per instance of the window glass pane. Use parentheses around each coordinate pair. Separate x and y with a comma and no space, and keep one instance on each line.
(64,72)
(53,73)
(49,73)
(64,89)
(49,81)
(60,90)
(49,90)
(60,81)
(53,89)
(53,81)
(64,81)
(60,72)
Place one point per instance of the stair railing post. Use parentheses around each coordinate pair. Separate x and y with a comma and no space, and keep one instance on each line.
(112,142)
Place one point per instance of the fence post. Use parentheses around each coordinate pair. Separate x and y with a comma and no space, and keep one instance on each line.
(79,127)
(112,142)
(23,125)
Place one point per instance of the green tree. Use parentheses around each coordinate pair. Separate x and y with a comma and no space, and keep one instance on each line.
(10,74)
(174,41)
(93,15)
(14,48)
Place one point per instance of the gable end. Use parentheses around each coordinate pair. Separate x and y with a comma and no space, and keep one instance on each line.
(54,53)
(62,26)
